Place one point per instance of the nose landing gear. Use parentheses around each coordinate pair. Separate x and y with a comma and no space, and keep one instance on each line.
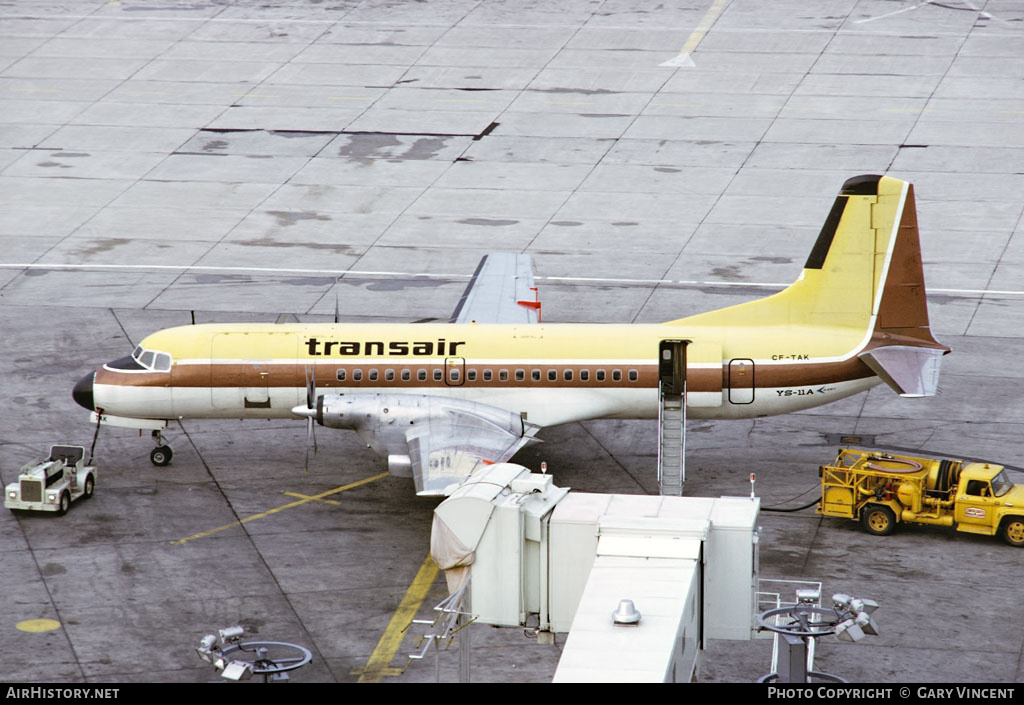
(161,455)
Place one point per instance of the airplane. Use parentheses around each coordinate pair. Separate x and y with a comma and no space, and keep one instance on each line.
(440,400)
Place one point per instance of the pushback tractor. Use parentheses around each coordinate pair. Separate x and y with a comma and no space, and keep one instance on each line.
(882,490)
(51,485)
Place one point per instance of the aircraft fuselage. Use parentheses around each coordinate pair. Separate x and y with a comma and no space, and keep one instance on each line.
(550,374)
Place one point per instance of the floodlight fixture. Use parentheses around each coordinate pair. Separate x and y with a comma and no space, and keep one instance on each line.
(808,596)
(849,630)
(237,671)
(231,635)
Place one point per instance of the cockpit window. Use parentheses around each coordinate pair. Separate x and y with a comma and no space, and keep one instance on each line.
(163,362)
(152,359)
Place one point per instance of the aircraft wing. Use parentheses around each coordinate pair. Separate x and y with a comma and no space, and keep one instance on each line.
(449,448)
(501,291)
(438,440)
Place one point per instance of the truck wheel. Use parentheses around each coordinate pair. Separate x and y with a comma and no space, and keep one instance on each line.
(65,503)
(878,519)
(1013,531)
(161,456)
(90,487)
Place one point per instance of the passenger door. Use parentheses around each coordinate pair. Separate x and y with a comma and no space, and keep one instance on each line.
(741,381)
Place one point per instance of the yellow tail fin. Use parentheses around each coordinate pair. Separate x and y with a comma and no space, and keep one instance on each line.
(861,289)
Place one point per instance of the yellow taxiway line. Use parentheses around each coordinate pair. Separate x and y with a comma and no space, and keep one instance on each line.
(704,27)
(275,510)
(379,664)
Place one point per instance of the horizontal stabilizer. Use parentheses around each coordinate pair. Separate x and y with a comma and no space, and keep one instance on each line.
(911,371)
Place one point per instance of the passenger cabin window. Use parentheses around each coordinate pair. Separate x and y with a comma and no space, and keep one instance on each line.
(341,375)
(600,375)
(406,375)
(503,375)
(357,375)
(372,375)
(389,375)
(421,375)
(634,375)
(487,375)
(567,375)
(471,375)
(584,375)
(535,375)
(520,375)
(616,375)
(438,376)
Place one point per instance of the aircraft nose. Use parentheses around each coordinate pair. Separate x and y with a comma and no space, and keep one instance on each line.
(82,393)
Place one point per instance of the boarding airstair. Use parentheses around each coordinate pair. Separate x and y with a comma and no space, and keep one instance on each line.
(672,417)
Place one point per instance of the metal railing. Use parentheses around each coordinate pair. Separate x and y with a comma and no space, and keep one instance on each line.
(452,616)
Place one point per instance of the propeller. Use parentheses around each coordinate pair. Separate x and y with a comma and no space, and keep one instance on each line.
(310,388)
(310,407)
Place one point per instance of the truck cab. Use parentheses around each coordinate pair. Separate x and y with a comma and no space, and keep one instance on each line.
(986,501)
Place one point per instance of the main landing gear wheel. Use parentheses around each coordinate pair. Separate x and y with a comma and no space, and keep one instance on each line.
(878,519)
(161,456)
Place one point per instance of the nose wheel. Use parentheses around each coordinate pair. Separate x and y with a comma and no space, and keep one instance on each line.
(161,455)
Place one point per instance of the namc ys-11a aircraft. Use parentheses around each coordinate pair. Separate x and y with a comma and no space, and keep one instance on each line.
(439,400)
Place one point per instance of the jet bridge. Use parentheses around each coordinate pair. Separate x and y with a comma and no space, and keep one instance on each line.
(540,556)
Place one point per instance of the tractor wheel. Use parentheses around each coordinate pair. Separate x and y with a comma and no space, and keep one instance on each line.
(878,519)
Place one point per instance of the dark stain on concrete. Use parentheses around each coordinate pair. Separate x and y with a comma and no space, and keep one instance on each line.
(286,218)
(487,221)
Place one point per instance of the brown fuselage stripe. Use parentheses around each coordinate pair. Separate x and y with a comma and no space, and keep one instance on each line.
(290,375)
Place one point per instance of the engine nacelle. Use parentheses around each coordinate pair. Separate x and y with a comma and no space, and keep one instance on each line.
(421,435)
(400,465)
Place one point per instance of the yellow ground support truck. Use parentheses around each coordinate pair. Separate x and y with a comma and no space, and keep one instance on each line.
(882,490)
